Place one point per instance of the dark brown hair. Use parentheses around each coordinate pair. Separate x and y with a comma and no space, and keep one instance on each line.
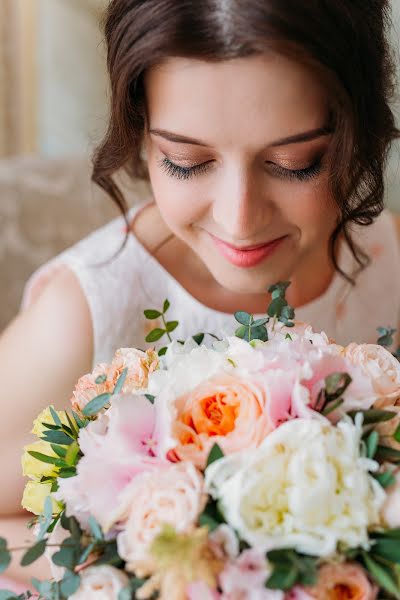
(344,41)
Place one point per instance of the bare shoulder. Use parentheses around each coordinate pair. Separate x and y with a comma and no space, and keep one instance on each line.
(57,324)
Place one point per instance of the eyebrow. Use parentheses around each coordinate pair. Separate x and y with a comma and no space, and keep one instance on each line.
(305,136)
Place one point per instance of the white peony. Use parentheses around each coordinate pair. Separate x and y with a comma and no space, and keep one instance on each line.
(104,582)
(305,487)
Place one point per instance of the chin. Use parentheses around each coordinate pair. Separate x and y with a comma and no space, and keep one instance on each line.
(246,282)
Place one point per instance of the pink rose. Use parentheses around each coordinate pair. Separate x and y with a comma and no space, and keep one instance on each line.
(245,578)
(172,495)
(380,366)
(344,580)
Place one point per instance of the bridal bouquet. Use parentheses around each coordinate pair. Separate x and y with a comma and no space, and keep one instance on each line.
(263,466)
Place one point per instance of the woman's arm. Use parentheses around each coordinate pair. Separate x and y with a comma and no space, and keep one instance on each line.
(43,352)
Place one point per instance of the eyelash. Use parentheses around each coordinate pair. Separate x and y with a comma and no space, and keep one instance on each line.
(185,173)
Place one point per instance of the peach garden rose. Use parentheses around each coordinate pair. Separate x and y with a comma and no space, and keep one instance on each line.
(224,410)
(339,581)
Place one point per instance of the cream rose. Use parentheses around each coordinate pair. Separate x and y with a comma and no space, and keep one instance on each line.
(172,495)
(305,487)
(104,582)
(379,365)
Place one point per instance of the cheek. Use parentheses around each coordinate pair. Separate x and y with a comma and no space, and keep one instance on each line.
(311,209)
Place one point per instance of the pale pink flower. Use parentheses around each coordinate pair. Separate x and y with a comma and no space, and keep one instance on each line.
(245,578)
(117,446)
(201,591)
(297,593)
(173,494)
(380,366)
(344,580)
(391,508)
(86,389)
(104,582)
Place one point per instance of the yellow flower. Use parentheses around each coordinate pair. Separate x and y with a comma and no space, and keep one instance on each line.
(35,494)
(35,468)
(46,417)
(178,559)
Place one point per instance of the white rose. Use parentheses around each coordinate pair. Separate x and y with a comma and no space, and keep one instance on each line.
(379,365)
(104,582)
(171,495)
(305,487)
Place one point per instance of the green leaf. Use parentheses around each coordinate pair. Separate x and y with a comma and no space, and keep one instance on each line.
(259,333)
(68,554)
(55,416)
(120,383)
(101,379)
(372,444)
(336,384)
(385,479)
(73,426)
(72,454)
(150,398)
(81,423)
(5,556)
(373,415)
(152,314)
(45,518)
(276,307)
(279,288)
(387,454)
(95,529)
(155,335)
(283,577)
(125,594)
(162,351)
(244,318)
(66,472)
(388,549)
(51,460)
(95,405)
(198,338)
(214,454)
(383,576)
(7,595)
(57,437)
(166,306)
(259,322)
(171,325)
(211,517)
(70,583)
(396,435)
(241,332)
(59,450)
(33,553)
(332,406)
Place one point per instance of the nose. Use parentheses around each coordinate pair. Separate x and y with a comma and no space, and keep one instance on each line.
(241,206)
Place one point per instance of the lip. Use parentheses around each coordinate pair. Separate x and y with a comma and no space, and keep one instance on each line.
(248,256)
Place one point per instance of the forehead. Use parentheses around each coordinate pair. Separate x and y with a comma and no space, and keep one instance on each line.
(243,100)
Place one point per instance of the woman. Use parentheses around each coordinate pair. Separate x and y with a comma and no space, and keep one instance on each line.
(264,128)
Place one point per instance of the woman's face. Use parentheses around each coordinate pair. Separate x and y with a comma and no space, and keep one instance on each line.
(236,160)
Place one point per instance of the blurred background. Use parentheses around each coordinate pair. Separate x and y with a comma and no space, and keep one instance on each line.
(53,110)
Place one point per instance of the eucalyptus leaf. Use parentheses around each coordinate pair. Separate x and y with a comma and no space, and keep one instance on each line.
(198,338)
(241,332)
(95,405)
(101,379)
(283,577)
(58,437)
(259,333)
(120,383)
(33,553)
(259,322)
(5,556)
(244,318)
(373,415)
(387,454)
(8,595)
(70,583)
(385,479)
(95,529)
(372,444)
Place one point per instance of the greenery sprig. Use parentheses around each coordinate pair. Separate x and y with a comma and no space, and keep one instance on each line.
(279,310)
